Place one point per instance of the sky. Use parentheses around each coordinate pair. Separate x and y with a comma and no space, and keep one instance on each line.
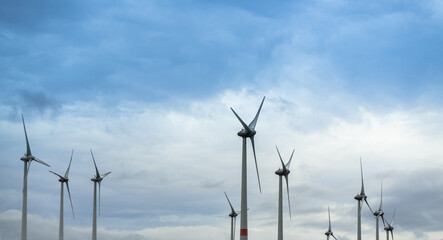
(148,86)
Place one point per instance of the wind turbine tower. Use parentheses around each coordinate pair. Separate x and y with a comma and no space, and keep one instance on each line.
(64,179)
(233,216)
(282,172)
(27,159)
(379,213)
(360,198)
(97,179)
(248,131)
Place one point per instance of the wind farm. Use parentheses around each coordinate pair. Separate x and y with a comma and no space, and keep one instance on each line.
(145,89)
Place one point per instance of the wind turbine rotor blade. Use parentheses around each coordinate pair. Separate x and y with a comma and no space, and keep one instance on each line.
(28,148)
(392,221)
(41,162)
(246,127)
(106,174)
(362,184)
(232,209)
(289,202)
(392,235)
(67,170)
(281,160)
(329,217)
(96,169)
(381,197)
(290,159)
(254,122)
(366,201)
(69,193)
(333,236)
(383,220)
(60,176)
(255,158)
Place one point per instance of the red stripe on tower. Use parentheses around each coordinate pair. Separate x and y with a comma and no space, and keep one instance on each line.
(243,232)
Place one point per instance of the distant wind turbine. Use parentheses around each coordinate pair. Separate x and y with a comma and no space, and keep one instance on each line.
(27,159)
(248,131)
(96,179)
(379,213)
(64,179)
(233,216)
(329,232)
(284,171)
(390,227)
(360,198)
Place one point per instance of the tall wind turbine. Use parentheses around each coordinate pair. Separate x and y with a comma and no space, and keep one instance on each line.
(360,198)
(329,232)
(233,216)
(379,213)
(390,227)
(248,131)
(64,179)
(96,179)
(284,171)
(27,159)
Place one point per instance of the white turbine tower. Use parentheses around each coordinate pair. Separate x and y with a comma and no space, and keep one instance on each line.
(96,179)
(329,232)
(390,227)
(233,216)
(379,213)
(360,198)
(248,131)
(64,179)
(27,159)
(284,171)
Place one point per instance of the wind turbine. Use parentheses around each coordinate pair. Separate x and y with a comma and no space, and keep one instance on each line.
(96,179)
(379,213)
(248,131)
(284,171)
(233,216)
(329,232)
(64,179)
(27,159)
(360,198)
(390,227)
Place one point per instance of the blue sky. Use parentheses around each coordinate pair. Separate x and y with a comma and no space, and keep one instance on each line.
(148,85)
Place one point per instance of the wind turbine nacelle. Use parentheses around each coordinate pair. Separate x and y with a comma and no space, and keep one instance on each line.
(94,179)
(360,197)
(379,213)
(245,133)
(27,158)
(389,228)
(282,172)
